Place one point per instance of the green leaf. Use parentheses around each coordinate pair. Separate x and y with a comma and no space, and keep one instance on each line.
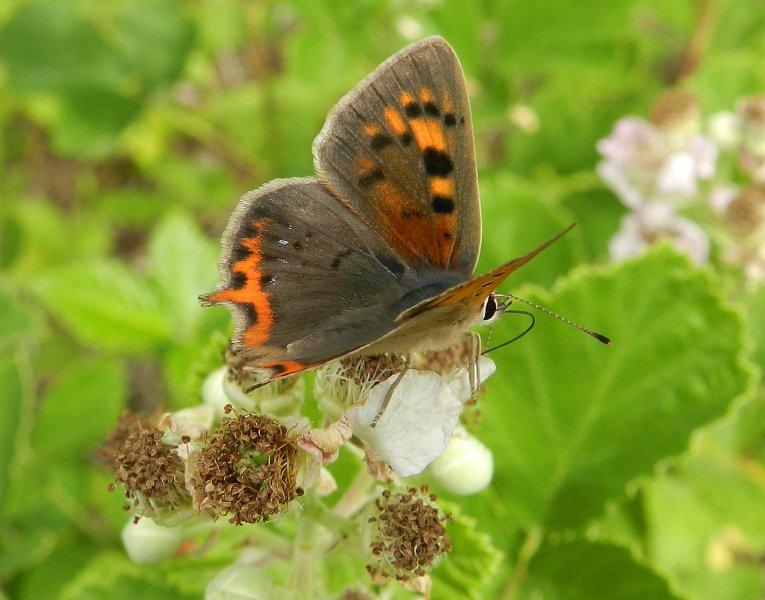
(469,569)
(571,421)
(12,400)
(112,576)
(78,411)
(504,198)
(15,321)
(706,529)
(182,261)
(584,570)
(105,304)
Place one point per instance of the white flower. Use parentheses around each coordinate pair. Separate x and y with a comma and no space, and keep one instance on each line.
(459,380)
(146,542)
(643,163)
(415,427)
(465,467)
(656,221)
(721,197)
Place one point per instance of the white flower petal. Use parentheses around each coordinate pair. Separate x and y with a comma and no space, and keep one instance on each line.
(459,382)
(416,425)
(704,152)
(628,241)
(721,197)
(617,179)
(677,177)
(325,443)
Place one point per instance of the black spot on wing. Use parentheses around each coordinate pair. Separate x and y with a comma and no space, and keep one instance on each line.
(413,110)
(391,263)
(267,279)
(338,259)
(380,141)
(443,204)
(437,162)
(431,109)
(450,120)
(251,315)
(371,178)
(238,280)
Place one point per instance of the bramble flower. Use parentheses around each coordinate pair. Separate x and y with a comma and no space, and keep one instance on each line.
(646,161)
(407,536)
(342,384)
(465,467)
(655,221)
(417,423)
(148,468)
(247,468)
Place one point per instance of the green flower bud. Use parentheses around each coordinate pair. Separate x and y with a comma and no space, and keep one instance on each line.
(146,542)
(465,467)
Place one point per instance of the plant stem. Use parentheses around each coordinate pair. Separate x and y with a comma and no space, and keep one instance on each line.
(356,496)
(525,554)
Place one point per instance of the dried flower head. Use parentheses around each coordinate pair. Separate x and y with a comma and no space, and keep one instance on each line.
(344,383)
(148,468)
(107,453)
(246,468)
(407,534)
(677,112)
(746,211)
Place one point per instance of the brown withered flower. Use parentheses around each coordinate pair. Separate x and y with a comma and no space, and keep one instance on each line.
(246,469)
(408,535)
(147,467)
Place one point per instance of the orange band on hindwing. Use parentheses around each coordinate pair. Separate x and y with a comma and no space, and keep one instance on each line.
(246,290)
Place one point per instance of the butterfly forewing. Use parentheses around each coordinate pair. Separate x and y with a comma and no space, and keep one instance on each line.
(398,150)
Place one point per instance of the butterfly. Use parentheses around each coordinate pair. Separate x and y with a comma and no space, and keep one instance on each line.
(376,253)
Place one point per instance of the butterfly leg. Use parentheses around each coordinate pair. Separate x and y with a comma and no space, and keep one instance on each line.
(389,393)
(473,368)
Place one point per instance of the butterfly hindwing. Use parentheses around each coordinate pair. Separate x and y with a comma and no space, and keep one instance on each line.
(398,150)
(307,281)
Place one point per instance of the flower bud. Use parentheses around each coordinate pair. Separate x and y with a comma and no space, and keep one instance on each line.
(241,582)
(146,542)
(465,467)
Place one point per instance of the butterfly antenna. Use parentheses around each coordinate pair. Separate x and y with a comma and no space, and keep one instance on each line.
(517,337)
(598,336)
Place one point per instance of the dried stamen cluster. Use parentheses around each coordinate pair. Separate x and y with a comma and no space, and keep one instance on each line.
(107,454)
(246,468)
(372,368)
(149,469)
(410,534)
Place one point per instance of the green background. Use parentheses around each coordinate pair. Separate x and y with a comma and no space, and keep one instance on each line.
(129,129)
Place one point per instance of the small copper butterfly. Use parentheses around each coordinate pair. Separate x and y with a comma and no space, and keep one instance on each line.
(376,253)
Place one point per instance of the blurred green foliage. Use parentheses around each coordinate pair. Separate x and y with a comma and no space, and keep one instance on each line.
(129,129)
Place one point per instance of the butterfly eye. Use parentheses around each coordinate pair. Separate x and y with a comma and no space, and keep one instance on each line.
(490,308)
